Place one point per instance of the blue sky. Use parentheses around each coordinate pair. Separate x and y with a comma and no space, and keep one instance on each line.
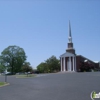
(40,27)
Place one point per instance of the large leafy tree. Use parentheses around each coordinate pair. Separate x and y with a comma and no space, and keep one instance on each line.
(43,68)
(2,68)
(13,57)
(2,65)
(52,64)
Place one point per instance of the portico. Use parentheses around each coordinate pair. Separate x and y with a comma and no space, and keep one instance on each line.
(68,62)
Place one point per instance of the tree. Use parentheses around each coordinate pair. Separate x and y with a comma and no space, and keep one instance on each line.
(86,66)
(42,68)
(26,67)
(2,68)
(52,64)
(13,57)
(2,65)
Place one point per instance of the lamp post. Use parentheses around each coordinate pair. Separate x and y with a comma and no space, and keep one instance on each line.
(5,77)
(6,72)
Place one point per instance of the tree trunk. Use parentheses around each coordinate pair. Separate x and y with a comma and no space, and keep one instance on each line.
(12,67)
(12,70)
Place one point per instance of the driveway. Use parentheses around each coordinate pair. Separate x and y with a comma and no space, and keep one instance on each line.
(58,86)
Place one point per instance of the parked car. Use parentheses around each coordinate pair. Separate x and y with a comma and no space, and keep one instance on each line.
(9,73)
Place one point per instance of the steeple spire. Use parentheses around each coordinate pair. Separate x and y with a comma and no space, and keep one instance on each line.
(70,36)
(69,29)
(70,44)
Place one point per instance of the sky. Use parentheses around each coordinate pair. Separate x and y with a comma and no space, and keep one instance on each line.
(40,27)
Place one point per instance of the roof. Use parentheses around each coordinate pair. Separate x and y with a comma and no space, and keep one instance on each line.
(67,54)
(87,58)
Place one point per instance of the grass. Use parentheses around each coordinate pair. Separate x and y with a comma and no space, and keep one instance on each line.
(25,76)
(3,84)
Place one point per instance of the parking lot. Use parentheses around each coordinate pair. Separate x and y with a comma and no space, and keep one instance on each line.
(58,86)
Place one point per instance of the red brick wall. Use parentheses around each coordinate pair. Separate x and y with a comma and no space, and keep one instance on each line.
(82,59)
(78,58)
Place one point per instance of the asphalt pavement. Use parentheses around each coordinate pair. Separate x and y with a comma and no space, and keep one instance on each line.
(57,86)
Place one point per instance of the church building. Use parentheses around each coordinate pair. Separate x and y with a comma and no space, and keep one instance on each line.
(70,61)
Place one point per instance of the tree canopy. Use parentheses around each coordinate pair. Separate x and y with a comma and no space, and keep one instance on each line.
(26,67)
(86,66)
(13,57)
(43,68)
(2,68)
(52,64)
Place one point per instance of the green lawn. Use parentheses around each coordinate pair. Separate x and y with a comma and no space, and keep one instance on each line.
(2,83)
(25,76)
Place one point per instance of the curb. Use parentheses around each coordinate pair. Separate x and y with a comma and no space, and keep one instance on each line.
(5,84)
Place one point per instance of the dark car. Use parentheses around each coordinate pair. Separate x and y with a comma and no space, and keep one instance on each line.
(9,73)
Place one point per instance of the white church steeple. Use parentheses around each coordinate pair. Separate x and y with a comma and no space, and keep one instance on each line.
(70,36)
(70,43)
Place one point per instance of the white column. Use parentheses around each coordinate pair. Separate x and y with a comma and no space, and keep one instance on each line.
(73,64)
(70,63)
(64,63)
(61,63)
